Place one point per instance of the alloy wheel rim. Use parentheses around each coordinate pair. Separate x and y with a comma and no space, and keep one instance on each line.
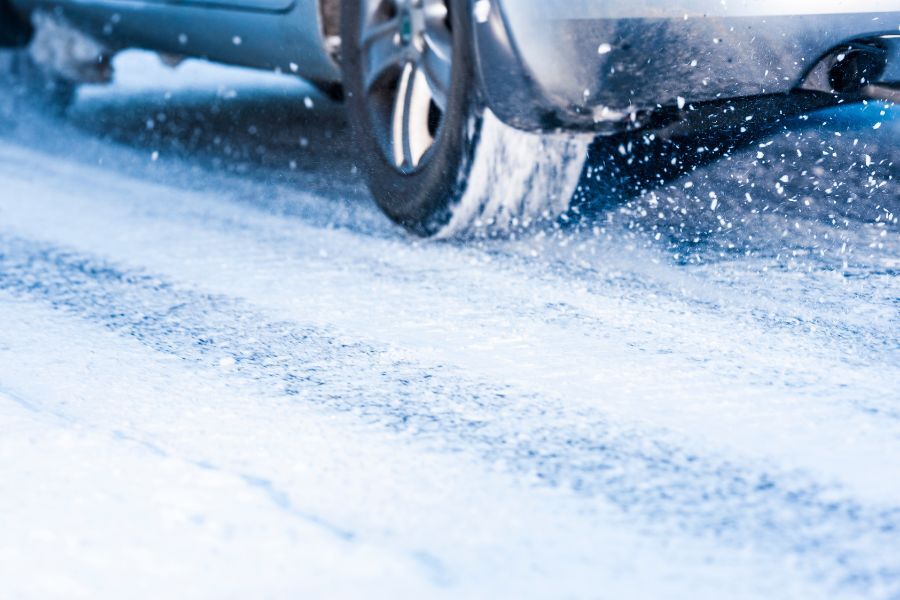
(407,56)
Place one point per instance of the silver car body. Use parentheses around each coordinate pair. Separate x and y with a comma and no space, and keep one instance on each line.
(544,64)
(249,33)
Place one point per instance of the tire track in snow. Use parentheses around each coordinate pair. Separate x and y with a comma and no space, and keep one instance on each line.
(854,546)
(846,344)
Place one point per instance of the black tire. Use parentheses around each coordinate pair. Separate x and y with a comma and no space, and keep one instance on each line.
(479,174)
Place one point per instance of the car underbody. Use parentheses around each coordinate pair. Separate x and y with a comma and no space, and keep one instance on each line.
(621,66)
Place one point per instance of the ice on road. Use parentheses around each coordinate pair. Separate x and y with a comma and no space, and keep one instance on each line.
(224,374)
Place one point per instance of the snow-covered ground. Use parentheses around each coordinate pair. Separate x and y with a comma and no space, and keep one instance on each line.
(224,374)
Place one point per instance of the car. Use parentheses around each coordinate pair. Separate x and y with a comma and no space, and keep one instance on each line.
(478,114)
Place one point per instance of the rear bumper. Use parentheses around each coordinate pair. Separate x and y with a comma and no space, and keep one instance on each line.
(590,64)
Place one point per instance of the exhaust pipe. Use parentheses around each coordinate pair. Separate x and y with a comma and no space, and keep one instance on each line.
(859,70)
(856,67)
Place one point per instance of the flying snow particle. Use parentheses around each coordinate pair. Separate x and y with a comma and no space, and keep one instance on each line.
(604,48)
(482,10)
(681,102)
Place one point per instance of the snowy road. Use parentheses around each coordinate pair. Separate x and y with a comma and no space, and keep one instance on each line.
(224,374)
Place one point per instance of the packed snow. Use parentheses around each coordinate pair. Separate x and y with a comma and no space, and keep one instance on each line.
(223,373)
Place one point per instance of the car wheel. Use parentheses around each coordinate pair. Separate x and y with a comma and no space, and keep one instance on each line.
(436,159)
